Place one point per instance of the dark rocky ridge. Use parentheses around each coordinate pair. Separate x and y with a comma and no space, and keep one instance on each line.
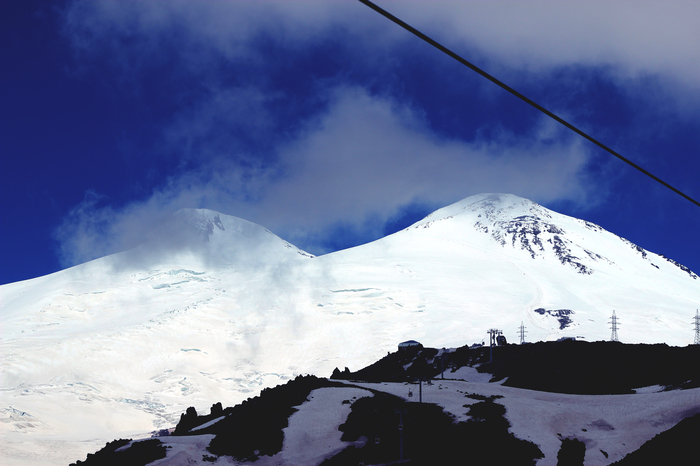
(574,367)
(254,428)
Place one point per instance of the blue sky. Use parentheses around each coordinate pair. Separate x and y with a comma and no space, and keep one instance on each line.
(330,125)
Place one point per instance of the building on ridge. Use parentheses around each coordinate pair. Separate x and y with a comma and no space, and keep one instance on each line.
(410,344)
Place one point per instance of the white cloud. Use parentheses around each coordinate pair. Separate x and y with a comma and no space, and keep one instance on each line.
(369,154)
(367,157)
(634,38)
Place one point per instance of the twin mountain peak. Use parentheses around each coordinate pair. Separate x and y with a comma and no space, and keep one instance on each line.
(505,226)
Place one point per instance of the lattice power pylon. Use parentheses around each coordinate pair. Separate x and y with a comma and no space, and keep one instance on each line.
(522,332)
(613,324)
(697,327)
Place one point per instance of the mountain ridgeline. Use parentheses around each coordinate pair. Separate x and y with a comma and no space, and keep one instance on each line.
(213,307)
(539,232)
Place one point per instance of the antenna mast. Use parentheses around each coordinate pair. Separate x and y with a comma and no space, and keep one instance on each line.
(614,323)
(697,327)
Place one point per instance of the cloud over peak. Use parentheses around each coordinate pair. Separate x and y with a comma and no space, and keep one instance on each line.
(366,158)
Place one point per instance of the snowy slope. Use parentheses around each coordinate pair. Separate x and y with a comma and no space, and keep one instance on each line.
(495,260)
(611,426)
(212,307)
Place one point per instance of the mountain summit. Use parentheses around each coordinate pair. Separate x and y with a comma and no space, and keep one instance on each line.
(206,237)
(523,225)
(213,307)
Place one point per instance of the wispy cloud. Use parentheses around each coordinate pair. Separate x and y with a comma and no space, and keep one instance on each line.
(366,158)
(633,38)
(362,150)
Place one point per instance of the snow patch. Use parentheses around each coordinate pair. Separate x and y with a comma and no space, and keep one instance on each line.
(207,424)
(312,434)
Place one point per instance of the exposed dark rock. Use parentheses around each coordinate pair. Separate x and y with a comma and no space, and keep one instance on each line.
(565,257)
(639,249)
(217,409)
(571,453)
(139,453)
(402,366)
(254,428)
(596,368)
(575,367)
(682,267)
(562,315)
(530,233)
(188,420)
(430,436)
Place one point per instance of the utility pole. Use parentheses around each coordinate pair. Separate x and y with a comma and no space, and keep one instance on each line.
(614,323)
(697,327)
(400,412)
(492,339)
(521,332)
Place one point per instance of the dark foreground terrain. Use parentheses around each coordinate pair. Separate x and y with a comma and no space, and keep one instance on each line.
(254,428)
(574,367)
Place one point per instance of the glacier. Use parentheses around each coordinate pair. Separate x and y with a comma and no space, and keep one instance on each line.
(214,308)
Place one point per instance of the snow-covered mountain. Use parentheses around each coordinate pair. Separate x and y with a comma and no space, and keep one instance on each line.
(212,307)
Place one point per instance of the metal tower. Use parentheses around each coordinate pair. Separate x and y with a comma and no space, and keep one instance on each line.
(614,323)
(697,327)
(521,332)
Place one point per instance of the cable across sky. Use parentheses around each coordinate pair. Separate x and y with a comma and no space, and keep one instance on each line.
(501,84)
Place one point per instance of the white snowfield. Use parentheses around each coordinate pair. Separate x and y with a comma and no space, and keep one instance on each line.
(215,308)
